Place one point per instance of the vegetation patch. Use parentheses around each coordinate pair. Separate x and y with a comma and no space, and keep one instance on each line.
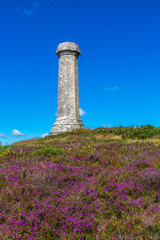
(47,151)
(79,186)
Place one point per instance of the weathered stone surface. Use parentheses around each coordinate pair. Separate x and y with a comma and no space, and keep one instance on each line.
(68,117)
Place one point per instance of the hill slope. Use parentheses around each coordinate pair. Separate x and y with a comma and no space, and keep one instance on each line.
(99,184)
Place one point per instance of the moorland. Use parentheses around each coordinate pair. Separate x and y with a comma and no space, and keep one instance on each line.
(85,184)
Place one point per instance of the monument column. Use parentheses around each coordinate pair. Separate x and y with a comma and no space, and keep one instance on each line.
(68,117)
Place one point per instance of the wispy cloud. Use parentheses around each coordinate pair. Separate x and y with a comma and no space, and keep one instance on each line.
(25,7)
(111,89)
(29,8)
(36,4)
(28,12)
(82,112)
(17,133)
(4,136)
(44,135)
(41,112)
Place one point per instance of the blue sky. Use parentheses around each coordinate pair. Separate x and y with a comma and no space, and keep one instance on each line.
(119,68)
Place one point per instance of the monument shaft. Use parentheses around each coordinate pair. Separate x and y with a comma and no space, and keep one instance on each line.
(68,117)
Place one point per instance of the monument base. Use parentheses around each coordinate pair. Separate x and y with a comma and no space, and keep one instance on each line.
(66,125)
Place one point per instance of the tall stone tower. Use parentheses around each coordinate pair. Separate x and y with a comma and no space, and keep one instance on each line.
(68,117)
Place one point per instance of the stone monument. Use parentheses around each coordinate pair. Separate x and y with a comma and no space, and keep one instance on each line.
(68,117)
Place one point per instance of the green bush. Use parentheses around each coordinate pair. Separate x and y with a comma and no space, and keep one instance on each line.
(132,132)
(47,151)
(4,148)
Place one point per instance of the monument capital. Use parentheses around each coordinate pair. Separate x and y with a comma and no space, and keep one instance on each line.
(68,48)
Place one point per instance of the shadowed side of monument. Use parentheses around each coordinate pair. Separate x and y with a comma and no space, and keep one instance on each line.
(68,117)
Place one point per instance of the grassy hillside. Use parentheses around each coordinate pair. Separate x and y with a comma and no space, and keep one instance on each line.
(99,184)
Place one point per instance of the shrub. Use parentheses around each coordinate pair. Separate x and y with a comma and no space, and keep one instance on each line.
(47,151)
(150,179)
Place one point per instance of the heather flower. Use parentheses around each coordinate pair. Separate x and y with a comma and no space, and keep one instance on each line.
(80,189)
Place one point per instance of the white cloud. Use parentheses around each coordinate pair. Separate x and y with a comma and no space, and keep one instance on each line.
(3,136)
(107,125)
(111,89)
(44,135)
(17,133)
(82,112)
(41,112)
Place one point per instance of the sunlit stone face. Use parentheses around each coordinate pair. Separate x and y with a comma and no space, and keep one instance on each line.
(68,117)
